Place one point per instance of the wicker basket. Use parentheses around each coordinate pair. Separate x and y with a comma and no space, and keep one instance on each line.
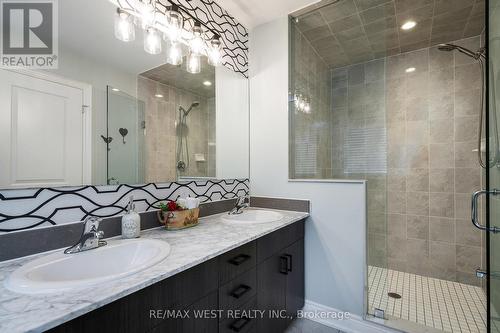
(179,219)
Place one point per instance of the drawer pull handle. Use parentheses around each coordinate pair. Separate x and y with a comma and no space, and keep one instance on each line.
(240,291)
(288,262)
(239,259)
(239,324)
(284,265)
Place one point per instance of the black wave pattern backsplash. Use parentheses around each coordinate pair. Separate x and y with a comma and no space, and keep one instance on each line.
(23,209)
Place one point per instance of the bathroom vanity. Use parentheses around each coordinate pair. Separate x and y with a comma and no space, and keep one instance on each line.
(266,274)
(219,277)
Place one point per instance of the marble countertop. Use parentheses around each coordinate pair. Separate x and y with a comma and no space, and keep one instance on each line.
(189,247)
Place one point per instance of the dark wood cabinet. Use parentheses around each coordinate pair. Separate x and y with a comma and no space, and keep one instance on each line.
(199,325)
(271,294)
(280,285)
(237,261)
(295,278)
(264,275)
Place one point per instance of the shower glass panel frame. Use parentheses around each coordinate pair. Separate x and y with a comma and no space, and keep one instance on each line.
(492,205)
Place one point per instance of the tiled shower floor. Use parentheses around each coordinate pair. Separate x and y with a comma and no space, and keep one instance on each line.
(444,305)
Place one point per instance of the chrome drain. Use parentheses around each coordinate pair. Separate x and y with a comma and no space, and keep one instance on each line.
(394,295)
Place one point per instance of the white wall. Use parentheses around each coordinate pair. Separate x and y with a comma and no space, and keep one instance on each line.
(335,233)
(231,124)
(98,74)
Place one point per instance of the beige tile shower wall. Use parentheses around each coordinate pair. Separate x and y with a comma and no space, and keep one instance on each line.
(419,209)
(310,153)
(161,139)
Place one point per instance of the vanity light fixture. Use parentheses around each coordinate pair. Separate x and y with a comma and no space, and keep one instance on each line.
(410,69)
(147,11)
(214,52)
(409,25)
(307,107)
(194,63)
(207,83)
(196,43)
(301,103)
(158,95)
(157,19)
(174,23)
(152,41)
(124,26)
(174,54)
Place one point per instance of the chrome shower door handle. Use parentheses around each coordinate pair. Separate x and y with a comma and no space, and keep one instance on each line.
(474,219)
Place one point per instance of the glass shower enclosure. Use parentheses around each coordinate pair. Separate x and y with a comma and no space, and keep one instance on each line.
(402,110)
(124,140)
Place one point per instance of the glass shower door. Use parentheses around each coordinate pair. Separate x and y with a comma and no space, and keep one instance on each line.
(125,138)
(493,172)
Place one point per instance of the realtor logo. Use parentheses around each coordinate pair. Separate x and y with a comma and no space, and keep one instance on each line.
(29,33)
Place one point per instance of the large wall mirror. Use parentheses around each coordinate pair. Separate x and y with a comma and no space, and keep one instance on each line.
(113,114)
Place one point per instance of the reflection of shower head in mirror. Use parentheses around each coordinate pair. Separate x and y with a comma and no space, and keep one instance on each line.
(195,104)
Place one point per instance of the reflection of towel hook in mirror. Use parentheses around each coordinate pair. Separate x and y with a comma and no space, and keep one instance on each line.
(123,133)
(107,140)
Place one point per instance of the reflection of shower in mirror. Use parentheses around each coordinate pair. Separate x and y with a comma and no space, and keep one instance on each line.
(182,132)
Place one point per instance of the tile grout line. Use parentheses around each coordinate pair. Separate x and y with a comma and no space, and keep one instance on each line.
(444,305)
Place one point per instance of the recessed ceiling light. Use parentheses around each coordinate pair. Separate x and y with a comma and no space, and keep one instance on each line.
(409,25)
(159,95)
(115,89)
(410,70)
(207,83)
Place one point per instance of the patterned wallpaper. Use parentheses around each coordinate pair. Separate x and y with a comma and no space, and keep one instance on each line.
(234,36)
(32,208)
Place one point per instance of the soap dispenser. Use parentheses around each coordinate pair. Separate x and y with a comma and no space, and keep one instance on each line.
(131,221)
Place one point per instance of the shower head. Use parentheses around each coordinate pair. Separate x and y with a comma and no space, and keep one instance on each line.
(451,47)
(195,104)
(446,47)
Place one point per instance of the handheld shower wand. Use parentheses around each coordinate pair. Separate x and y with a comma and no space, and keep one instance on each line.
(182,143)
(480,57)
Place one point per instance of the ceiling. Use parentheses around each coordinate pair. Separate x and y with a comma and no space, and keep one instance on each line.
(252,13)
(346,32)
(178,77)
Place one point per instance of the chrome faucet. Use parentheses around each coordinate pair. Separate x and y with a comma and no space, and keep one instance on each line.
(241,203)
(90,238)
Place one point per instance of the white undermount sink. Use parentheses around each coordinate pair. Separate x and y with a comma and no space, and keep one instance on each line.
(62,272)
(252,216)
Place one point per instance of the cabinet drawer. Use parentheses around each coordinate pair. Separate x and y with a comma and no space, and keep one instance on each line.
(237,261)
(185,288)
(238,291)
(192,323)
(241,325)
(271,244)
